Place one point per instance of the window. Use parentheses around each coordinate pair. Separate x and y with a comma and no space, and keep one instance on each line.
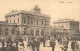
(24,21)
(18,28)
(31,21)
(24,28)
(10,21)
(37,22)
(37,31)
(18,20)
(14,21)
(42,23)
(24,33)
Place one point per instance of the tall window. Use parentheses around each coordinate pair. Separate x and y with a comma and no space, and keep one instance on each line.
(37,22)
(25,31)
(31,21)
(18,20)
(14,21)
(10,21)
(18,28)
(37,31)
(42,23)
(24,21)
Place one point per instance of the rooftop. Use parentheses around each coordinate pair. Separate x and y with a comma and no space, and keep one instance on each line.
(65,20)
(5,23)
(35,11)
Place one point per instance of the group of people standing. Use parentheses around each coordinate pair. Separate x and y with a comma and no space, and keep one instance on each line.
(17,43)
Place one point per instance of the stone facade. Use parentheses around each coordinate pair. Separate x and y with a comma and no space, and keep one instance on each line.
(66,26)
(7,29)
(29,22)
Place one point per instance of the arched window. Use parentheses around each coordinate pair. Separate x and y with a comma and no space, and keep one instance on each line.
(31,21)
(25,31)
(32,31)
(24,21)
(37,31)
(42,32)
(42,22)
(14,21)
(37,22)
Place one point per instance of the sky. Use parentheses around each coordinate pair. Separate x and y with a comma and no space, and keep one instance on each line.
(56,9)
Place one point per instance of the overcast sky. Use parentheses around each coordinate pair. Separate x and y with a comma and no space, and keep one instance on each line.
(57,9)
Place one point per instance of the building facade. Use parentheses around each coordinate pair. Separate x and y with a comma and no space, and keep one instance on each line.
(66,27)
(29,22)
(7,29)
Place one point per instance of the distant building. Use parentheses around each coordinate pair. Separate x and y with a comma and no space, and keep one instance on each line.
(7,29)
(29,22)
(66,27)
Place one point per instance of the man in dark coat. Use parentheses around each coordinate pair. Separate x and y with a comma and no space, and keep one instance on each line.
(73,45)
(44,41)
(33,43)
(3,44)
(52,43)
(65,43)
(38,44)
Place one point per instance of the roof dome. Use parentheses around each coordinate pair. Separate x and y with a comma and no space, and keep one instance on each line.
(36,9)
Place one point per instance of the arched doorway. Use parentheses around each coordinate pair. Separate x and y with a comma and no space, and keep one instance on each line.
(42,32)
(37,31)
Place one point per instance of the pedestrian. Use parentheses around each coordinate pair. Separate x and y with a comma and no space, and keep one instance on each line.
(44,41)
(52,43)
(76,46)
(65,45)
(38,44)
(73,46)
(3,44)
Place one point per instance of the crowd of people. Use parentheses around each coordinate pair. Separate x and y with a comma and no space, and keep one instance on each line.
(16,43)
